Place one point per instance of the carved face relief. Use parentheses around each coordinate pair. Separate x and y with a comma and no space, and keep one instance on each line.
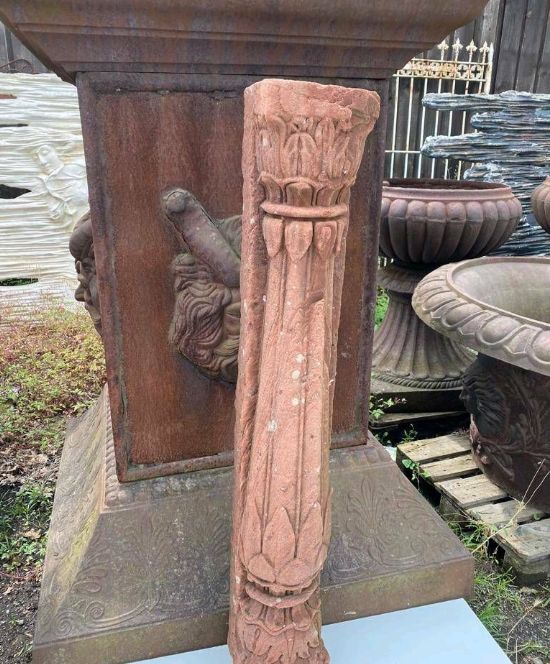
(81,246)
(206,321)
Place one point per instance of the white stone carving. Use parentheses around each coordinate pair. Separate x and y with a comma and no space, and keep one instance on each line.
(41,151)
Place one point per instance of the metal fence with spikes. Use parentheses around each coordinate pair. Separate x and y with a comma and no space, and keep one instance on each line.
(458,70)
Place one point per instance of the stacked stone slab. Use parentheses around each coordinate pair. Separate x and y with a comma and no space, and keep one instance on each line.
(511,144)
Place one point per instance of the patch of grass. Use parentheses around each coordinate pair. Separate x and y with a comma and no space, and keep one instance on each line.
(382,301)
(24,520)
(49,368)
(509,612)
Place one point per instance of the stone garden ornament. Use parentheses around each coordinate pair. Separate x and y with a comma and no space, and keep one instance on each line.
(500,307)
(426,223)
(303,144)
(138,551)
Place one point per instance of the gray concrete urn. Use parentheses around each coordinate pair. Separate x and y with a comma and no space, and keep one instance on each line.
(500,308)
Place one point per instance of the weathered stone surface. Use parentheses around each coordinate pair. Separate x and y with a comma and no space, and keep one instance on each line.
(500,307)
(81,246)
(433,222)
(303,145)
(408,353)
(207,312)
(141,569)
(425,223)
(540,202)
(510,429)
(345,39)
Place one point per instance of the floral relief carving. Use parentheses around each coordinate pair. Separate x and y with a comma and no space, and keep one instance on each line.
(109,567)
(510,427)
(302,149)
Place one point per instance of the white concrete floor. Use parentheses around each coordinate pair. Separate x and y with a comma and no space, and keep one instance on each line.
(448,632)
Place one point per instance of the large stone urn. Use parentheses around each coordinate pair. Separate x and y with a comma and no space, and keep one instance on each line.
(500,307)
(540,202)
(426,223)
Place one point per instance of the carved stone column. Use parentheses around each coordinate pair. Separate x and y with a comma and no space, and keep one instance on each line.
(302,148)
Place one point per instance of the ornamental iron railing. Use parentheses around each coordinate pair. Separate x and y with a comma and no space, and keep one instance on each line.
(459,69)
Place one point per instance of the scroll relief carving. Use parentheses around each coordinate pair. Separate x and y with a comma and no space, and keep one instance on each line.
(206,321)
(302,148)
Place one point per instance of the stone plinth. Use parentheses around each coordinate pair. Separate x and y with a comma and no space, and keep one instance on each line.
(141,569)
(160,86)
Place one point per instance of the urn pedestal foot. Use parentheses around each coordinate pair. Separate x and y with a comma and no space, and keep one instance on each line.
(139,569)
(419,368)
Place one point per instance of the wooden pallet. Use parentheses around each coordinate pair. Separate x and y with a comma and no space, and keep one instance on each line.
(520,534)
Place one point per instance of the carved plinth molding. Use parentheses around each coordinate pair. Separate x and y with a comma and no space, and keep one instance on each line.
(302,148)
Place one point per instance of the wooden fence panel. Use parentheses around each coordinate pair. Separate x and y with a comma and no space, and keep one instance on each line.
(522,52)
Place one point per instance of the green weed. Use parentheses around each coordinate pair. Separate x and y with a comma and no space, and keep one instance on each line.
(382,302)
(49,368)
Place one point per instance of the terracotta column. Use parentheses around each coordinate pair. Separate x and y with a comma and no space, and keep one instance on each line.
(302,147)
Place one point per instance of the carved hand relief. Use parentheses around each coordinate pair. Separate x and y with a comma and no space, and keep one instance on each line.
(302,148)
(206,321)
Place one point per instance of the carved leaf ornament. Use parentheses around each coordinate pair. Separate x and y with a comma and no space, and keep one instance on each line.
(304,147)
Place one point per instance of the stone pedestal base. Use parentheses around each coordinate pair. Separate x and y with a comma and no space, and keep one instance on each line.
(141,569)
(417,400)
(410,361)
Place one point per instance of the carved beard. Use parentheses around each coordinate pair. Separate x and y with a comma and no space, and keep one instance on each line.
(206,322)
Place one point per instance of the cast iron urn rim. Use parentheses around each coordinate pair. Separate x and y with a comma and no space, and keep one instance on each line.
(433,221)
(504,335)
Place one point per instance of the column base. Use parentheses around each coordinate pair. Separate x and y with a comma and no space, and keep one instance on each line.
(141,569)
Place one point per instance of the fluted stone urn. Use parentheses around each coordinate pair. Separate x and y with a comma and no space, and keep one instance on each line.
(424,224)
(540,202)
(500,307)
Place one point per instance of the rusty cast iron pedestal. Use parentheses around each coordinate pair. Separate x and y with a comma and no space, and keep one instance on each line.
(137,564)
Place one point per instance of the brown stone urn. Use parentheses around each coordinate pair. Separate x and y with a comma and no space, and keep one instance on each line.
(426,223)
(540,202)
(500,308)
